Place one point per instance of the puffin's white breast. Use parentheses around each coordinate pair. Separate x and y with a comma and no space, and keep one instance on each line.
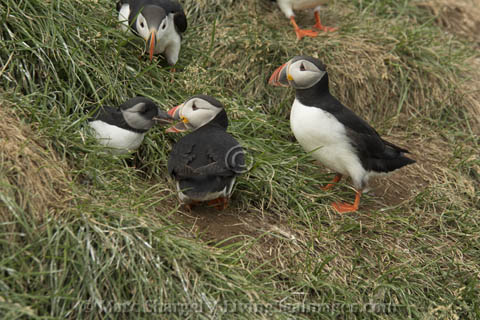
(121,140)
(320,133)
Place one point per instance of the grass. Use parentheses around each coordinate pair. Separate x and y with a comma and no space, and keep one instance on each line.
(84,234)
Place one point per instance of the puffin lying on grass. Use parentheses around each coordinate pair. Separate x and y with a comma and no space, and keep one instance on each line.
(159,22)
(287,7)
(332,133)
(205,162)
(122,130)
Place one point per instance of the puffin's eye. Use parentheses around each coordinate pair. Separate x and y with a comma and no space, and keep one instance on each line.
(164,26)
(194,107)
(142,24)
(302,67)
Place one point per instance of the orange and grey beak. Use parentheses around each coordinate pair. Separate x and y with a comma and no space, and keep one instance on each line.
(163,117)
(279,77)
(151,43)
(175,114)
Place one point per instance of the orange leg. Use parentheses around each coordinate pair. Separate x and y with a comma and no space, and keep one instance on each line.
(337,178)
(301,32)
(343,207)
(219,203)
(318,25)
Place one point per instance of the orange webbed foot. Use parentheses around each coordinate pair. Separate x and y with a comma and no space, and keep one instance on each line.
(302,32)
(319,26)
(343,207)
(324,28)
(219,203)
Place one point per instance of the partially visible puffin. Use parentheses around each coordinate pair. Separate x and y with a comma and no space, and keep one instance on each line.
(122,130)
(205,162)
(159,22)
(333,134)
(287,7)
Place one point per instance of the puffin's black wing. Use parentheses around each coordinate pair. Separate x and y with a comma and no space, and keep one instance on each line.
(375,153)
(106,114)
(179,17)
(205,153)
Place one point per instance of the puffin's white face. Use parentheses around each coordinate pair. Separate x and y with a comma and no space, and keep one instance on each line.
(298,73)
(145,27)
(303,74)
(152,24)
(194,114)
(140,115)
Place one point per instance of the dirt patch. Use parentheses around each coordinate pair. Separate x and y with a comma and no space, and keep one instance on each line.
(215,226)
(266,237)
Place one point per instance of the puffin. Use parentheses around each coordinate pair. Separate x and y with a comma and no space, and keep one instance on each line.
(287,7)
(122,129)
(206,161)
(332,133)
(159,22)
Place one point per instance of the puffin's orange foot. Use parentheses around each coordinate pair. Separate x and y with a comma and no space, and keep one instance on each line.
(219,203)
(319,26)
(343,207)
(324,28)
(304,32)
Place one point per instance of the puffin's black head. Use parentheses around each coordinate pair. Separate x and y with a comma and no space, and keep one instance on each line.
(141,113)
(151,24)
(198,111)
(301,72)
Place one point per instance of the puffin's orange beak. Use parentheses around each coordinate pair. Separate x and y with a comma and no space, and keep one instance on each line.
(175,114)
(279,76)
(152,42)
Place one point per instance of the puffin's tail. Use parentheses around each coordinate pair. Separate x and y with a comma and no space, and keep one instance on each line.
(392,158)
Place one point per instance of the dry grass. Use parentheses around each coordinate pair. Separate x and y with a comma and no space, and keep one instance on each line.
(33,176)
(461,17)
(122,236)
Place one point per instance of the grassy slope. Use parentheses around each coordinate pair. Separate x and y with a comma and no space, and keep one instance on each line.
(108,231)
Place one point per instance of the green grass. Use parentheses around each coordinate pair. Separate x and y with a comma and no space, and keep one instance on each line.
(87,235)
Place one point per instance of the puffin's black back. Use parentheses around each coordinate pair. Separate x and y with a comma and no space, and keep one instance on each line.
(114,117)
(200,160)
(375,153)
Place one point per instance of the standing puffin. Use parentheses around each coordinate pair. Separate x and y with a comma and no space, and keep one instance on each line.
(159,22)
(122,130)
(205,162)
(333,134)
(287,7)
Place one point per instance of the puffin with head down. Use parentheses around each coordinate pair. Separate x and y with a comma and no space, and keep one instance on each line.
(332,133)
(205,162)
(159,22)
